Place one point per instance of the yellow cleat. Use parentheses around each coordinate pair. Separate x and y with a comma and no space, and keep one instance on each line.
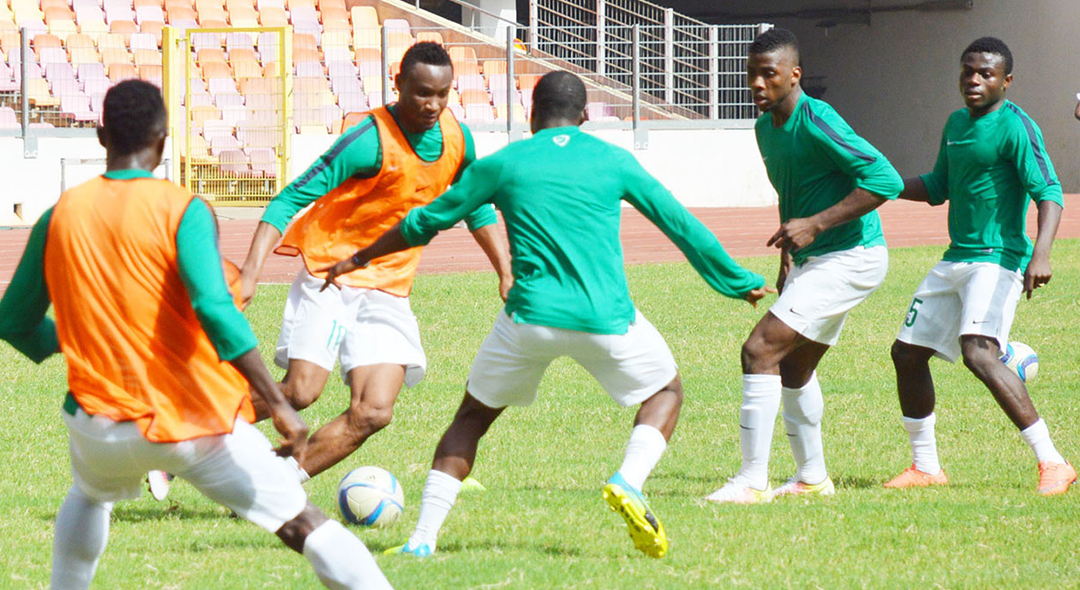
(645,529)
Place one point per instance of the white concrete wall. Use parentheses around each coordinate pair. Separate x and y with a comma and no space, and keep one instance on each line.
(897,80)
(703,168)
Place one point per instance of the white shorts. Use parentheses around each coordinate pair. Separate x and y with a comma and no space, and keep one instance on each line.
(818,295)
(361,326)
(631,367)
(962,298)
(240,471)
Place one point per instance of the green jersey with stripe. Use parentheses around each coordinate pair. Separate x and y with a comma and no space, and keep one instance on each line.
(560,193)
(358,153)
(814,161)
(987,168)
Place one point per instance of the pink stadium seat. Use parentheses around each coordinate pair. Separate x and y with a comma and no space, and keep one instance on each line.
(8,119)
(233,161)
(479,113)
(221,142)
(143,41)
(77,106)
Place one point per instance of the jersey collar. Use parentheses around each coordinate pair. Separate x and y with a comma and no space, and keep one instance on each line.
(128,174)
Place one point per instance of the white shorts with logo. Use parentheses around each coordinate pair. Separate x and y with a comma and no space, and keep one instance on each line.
(962,298)
(240,471)
(361,326)
(818,295)
(631,367)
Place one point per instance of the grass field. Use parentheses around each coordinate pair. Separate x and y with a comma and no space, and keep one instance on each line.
(542,523)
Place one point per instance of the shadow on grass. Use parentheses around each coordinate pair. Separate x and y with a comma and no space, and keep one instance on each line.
(492,547)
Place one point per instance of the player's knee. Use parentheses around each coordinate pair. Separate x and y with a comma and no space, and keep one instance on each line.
(366,419)
(302,392)
(752,355)
(978,359)
(294,532)
(903,355)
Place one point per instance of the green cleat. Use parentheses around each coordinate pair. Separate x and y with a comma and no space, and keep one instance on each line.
(645,529)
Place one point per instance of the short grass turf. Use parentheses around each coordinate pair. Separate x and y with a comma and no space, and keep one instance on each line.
(542,523)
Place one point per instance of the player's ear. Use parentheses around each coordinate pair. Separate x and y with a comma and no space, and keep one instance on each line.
(1008,80)
(796,74)
(103,137)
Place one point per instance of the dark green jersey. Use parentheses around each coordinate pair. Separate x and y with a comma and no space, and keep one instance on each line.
(814,161)
(358,153)
(560,193)
(987,168)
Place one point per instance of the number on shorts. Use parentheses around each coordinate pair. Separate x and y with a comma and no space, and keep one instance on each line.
(912,312)
(337,334)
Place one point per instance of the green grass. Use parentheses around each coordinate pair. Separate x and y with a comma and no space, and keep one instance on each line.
(542,524)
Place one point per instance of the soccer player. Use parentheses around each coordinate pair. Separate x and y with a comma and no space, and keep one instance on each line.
(991,160)
(833,256)
(159,359)
(560,194)
(400,157)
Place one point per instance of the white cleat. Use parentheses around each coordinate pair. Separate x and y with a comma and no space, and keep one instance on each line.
(738,491)
(159,484)
(794,487)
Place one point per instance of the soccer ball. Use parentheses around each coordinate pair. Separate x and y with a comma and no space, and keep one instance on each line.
(1021,359)
(370,496)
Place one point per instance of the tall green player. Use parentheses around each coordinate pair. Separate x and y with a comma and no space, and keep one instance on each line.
(833,256)
(992,159)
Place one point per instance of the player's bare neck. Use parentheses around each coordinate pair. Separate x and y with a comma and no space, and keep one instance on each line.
(147,159)
(783,110)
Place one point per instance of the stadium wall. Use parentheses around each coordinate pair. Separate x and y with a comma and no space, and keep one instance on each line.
(702,167)
(896,81)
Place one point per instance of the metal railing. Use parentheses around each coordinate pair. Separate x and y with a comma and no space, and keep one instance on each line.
(694,69)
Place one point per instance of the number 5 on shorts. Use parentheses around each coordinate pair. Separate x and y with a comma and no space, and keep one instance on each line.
(912,312)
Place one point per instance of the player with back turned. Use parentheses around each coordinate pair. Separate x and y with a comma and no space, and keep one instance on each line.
(833,257)
(560,193)
(159,358)
(991,161)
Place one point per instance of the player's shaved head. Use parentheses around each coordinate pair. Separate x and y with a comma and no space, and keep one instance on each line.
(427,53)
(133,117)
(993,46)
(776,40)
(559,96)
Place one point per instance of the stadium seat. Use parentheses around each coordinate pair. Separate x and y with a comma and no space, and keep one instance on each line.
(429,37)
(152,27)
(124,28)
(146,57)
(142,41)
(121,72)
(37,90)
(8,120)
(366,30)
(247,69)
(272,16)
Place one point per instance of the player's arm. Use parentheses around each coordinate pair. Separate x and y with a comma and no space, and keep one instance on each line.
(231,335)
(932,188)
(476,187)
(696,242)
(23,322)
(357,152)
(876,181)
(1037,174)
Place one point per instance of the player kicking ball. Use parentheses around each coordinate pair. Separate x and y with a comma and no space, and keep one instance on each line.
(833,257)
(560,194)
(991,160)
(159,358)
(401,156)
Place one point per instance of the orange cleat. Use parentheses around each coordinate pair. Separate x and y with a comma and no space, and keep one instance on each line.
(1055,478)
(913,478)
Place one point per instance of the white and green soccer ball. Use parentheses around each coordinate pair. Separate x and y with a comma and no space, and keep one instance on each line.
(370,496)
(1021,359)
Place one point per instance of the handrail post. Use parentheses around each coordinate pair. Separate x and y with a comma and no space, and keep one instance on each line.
(601,37)
(669,55)
(714,72)
(641,136)
(24,84)
(534,26)
(384,42)
(509,84)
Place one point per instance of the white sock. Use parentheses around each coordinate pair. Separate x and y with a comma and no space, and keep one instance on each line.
(923,443)
(643,452)
(82,530)
(803,408)
(440,493)
(757,417)
(342,561)
(300,473)
(1037,436)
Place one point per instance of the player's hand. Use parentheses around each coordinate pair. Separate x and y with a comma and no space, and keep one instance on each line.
(1038,273)
(293,431)
(785,268)
(248,285)
(757,294)
(504,287)
(795,234)
(334,271)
